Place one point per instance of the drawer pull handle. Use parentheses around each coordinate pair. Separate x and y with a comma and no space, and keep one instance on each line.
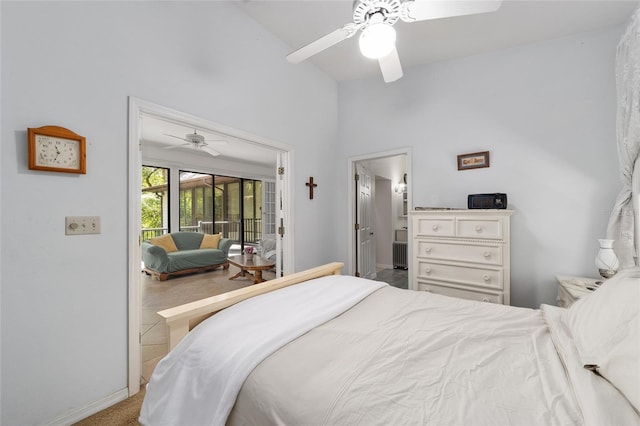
(478,228)
(487,254)
(435,227)
(427,271)
(485,299)
(486,277)
(427,250)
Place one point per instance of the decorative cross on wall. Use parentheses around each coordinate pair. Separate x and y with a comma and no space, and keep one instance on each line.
(311,185)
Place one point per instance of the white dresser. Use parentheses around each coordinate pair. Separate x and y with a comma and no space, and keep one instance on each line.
(462,253)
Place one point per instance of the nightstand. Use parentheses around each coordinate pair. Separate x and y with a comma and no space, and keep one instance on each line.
(571,289)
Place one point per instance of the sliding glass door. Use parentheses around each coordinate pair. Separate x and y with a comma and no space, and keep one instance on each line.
(206,203)
(196,202)
(238,209)
(252,211)
(227,207)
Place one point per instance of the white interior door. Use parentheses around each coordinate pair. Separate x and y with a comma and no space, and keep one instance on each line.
(268,207)
(365,244)
(270,217)
(281,224)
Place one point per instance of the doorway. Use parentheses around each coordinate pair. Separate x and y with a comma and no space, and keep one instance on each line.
(378,207)
(138,110)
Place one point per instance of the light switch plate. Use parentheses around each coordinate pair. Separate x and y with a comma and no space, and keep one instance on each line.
(80,225)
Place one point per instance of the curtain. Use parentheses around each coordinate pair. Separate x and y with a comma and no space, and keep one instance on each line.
(624,222)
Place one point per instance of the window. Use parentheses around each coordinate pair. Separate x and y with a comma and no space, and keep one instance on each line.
(155,201)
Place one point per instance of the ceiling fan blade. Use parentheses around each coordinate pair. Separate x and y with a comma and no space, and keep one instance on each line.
(421,10)
(177,146)
(390,66)
(209,151)
(177,137)
(322,43)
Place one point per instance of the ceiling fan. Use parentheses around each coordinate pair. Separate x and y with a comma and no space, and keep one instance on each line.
(197,142)
(376,19)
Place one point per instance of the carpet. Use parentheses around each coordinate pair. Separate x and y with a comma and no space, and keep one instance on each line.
(123,413)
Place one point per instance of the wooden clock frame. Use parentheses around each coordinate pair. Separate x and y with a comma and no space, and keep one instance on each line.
(61,133)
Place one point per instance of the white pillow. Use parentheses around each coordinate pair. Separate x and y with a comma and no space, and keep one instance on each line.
(606,329)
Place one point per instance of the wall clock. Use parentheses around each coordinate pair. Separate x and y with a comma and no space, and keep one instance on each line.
(56,149)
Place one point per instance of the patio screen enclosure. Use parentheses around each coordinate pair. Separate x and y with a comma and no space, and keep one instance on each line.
(207,203)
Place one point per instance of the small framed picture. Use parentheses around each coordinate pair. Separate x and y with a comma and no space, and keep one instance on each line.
(475,160)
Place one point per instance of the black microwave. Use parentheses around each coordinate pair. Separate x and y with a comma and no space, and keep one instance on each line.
(487,201)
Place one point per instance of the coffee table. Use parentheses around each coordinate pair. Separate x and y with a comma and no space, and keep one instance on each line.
(256,264)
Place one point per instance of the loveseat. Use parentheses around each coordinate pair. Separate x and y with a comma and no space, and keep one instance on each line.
(179,253)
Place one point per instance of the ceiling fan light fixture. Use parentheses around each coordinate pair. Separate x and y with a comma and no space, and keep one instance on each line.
(377,40)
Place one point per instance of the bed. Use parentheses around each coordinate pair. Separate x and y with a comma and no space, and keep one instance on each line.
(340,350)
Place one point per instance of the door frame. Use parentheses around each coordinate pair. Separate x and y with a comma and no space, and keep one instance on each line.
(137,109)
(351,170)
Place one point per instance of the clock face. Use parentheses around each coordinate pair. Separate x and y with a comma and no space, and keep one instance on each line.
(56,152)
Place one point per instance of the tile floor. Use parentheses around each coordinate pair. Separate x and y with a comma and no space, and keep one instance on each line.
(395,277)
(158,295)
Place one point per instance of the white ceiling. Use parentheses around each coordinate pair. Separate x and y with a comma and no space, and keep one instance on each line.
(154,135)
(298,22)
(517,22)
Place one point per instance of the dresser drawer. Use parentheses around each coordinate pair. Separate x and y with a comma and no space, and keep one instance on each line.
(460,293)
(479,228)
(481,277)
(487,254)
(440,227)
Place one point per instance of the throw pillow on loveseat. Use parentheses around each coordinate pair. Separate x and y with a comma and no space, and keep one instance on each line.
(179,253)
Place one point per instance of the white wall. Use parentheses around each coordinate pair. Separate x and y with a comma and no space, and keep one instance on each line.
(74,64)
(545,111)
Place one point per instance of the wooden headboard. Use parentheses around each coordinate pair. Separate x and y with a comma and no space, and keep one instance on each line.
(182,319)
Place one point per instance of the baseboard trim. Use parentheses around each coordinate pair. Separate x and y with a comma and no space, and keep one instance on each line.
(76,415)
(381,266)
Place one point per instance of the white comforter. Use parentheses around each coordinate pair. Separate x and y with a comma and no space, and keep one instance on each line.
(197,383)
(396,357)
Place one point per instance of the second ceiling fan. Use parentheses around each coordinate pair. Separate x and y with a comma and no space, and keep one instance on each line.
(197,142)
(375,18)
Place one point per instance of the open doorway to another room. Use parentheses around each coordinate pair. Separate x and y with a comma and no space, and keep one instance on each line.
(208,204)
(390,217)
(378,213)
(190,174)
